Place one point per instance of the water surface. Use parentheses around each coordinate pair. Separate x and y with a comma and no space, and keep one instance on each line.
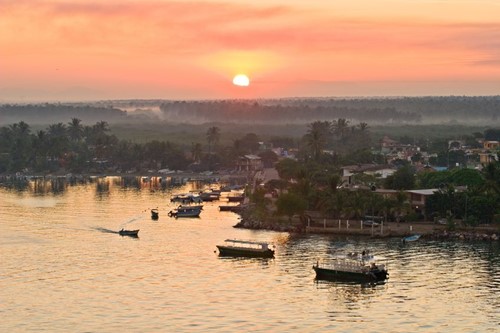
(64,268)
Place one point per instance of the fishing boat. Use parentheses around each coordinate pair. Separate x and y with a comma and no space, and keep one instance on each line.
(185,211)
(200,207)
(155,214)
(244,248)
(231,208)
(236,198)
(131,233)
(353,267)
(411,238)
(186,198)
(211,195)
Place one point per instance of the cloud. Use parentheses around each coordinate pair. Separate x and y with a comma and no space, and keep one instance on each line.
(157,44)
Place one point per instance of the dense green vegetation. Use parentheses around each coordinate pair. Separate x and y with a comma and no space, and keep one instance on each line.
(321,144)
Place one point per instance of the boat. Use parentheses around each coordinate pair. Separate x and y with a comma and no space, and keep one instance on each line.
(185,211)
(353,267)
(155,214)
(245,248)
(131,233)
(200,207)
(211,195)
(236,198)
(411,238)
(231,208)
(186,198)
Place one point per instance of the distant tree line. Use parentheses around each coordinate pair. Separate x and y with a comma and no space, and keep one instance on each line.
(255,112)
(446,108)
(394,110)
(48,113)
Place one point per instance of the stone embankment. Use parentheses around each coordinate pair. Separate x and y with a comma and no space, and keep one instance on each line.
(249,221)
(427,230)
(465,235)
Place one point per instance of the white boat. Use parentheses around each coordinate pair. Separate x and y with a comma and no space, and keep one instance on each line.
(186,198)
(352,267)
(411,238)
(244,248)
(185,211)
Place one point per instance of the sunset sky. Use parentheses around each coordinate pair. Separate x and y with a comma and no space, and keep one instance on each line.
(70,50)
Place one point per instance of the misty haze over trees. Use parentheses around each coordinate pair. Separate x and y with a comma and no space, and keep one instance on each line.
(480,110)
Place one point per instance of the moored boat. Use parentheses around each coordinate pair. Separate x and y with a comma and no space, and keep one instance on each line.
(231,208)
(186,198)
(210,195)
(155,214)
(132,233)
(353,267)
(244,248)
(411,238)
(185,211)
(235,198)
(200,207)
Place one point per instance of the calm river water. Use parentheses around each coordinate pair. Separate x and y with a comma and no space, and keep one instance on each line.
(63,269)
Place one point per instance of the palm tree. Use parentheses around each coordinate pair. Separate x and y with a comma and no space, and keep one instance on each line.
(213,135)
(58,140)
(491,175)
(327,198)
(363,127)
(317,137)
(340,127)
(196,151)
(75,130)
(401,205)
(40,149)
(101,127)
(57,130)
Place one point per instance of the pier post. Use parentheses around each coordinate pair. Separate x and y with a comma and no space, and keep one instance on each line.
(339,224)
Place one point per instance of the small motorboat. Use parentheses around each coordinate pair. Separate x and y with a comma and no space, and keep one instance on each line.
(155,214)
(411,238)
(244,248)
(131,233)
(185,211)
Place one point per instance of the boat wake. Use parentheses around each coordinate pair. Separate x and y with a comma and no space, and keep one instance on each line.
(109,231)
(131,221)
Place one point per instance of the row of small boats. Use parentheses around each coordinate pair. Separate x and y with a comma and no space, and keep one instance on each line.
(208,196)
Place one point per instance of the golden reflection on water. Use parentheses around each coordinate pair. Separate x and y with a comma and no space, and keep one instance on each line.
(65,268)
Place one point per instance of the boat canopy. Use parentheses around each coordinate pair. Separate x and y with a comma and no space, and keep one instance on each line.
(239,241)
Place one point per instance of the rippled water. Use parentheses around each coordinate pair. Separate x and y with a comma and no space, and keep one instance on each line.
(63,268)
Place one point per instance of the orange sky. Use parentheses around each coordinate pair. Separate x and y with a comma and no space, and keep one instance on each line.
(88,49)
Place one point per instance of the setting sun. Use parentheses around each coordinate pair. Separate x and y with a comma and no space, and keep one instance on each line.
(241,80)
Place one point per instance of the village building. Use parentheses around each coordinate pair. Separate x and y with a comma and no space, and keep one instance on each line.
(249,163)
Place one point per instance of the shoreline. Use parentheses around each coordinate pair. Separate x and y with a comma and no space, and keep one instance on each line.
(427,230)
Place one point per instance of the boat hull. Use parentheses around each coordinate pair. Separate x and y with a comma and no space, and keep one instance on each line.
(375,275)
(412,238)
(231,208)
(185,212)
(244,252)
(130,233)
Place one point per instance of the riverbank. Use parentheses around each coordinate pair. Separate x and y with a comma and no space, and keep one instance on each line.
(427,230)
(174,176)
